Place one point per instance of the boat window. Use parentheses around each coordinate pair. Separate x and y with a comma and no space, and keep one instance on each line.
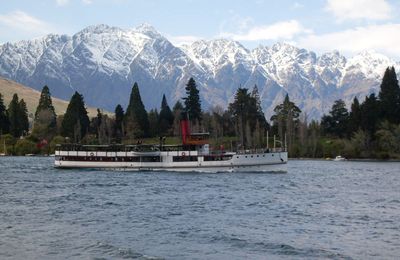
(150,158)
(184,158)
(218,157)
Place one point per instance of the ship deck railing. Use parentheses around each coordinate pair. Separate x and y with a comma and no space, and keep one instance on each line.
(262,150)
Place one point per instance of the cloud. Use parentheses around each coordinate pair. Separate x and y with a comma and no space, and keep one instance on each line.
(183,39)
(87,2)
(21,21)
(359,9)
(62,2)
(285,30)
(383,38)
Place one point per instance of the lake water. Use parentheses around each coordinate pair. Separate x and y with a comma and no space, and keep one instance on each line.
(319,209)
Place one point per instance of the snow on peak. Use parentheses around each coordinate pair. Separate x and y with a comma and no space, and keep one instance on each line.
(214,54)
(148,30)
(370,63)
(99,29)
(100,58)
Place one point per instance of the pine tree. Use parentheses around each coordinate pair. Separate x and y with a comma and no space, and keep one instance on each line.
(4,122)
(166,118)
(286,114)
(76,121)
(355,116)
(258,108)
(247,113)
(118,126)
(177,111)
(336,123)
(389,97)
(13,114)
(178,106)
(239,110)
(192,101)
(154,119)
(136,120)
(45,121)
(97,121)
(370,110)
(23,117)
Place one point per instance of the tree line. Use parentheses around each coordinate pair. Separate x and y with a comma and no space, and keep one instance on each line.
(368,129)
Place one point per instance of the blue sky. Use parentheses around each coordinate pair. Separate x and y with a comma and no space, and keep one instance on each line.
(349,26)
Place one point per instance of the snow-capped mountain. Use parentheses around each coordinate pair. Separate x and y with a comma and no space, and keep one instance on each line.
(103,62)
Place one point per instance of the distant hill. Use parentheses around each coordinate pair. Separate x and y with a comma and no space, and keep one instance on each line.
(31,97)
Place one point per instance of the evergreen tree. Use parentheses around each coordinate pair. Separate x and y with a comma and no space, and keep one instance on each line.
(336,123)
(45,121)
(13,114)
(177,111)
(355,117)
(76,122)
(192,101)
(166,118)
(4,122)
(248,116)
(154,120)
(136,120)
(95,125)
(370,111)
(104,128)
(178,106)
(389,97)
(118,126)
(239,111)
(286,117)
(23,117)
(259,112)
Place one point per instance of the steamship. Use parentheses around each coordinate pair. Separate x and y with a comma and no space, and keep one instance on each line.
(194,154)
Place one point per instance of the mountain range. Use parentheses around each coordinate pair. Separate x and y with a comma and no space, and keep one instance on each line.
(102,63)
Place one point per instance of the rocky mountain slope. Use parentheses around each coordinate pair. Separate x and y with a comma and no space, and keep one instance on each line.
(103,62)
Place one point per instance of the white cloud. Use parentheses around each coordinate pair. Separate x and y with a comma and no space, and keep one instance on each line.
(359,9)
(383,38)
(285,30)
(62,2)
(183,39)
(87,2)
(21,21)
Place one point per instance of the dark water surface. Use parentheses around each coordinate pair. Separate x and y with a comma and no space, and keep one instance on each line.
(319,209)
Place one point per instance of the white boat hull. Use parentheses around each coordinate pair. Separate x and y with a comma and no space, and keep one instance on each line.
(253,162)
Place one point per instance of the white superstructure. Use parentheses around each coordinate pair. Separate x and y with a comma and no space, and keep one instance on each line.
(193,155)
(167,159)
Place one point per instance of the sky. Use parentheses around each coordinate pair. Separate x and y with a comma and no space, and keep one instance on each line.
(349,26)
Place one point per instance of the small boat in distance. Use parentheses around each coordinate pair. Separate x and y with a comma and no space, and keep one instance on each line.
(194,154)
(339,158)
(4,153)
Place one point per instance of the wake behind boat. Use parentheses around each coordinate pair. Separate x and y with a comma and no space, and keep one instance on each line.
(193,155)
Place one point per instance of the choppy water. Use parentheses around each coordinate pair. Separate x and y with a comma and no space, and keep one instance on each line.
(319,209)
